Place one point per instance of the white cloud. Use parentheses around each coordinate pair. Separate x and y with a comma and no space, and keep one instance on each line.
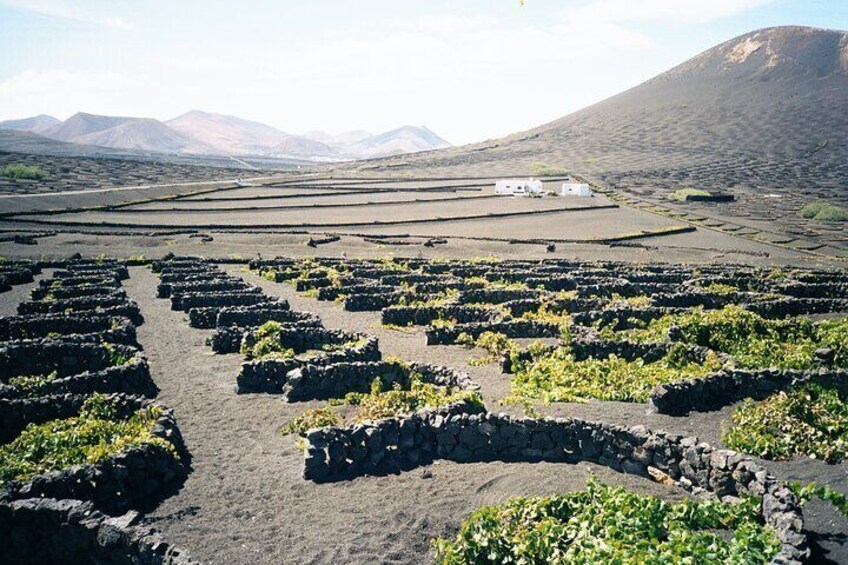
(85,12)
(467,77)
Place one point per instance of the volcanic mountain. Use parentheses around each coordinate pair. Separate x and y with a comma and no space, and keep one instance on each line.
(765,110)
(140,134)
(229,135)
(35,124)
(204,133)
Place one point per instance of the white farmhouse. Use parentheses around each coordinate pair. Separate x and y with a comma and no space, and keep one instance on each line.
(576,189)
(518,187)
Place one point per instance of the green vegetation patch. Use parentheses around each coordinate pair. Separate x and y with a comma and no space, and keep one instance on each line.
(542,169)
(753,341)
(26,172)
(33,385)
(808,421)
(264,343)
(379,403)
(684,193)
(606,524)
(93,436)
(824,212)
(561,378)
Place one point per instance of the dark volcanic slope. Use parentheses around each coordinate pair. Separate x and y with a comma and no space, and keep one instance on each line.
(766,109)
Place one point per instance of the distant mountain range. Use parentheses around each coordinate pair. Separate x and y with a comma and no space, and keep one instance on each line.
(204,133)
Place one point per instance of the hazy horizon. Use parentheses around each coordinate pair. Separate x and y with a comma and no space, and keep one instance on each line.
(469,72)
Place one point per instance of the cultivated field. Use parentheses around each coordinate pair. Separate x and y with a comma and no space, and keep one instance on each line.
(456,350)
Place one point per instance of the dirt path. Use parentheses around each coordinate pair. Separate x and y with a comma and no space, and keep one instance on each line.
(821,517)
(245,500)
(20,292)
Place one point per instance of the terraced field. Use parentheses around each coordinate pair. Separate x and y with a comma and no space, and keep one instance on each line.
(382,401)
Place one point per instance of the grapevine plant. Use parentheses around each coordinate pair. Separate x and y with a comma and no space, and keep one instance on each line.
(606,524)
(379,403)
(810,420)
(753,341)
(560,377)
(95,435)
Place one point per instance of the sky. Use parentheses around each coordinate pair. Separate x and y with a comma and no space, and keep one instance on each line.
(469,70)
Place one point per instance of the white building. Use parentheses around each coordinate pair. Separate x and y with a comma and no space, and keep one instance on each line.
(576,189)
(518,187)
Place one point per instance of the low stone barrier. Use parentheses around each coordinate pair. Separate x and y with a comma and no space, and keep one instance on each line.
(257,314)
(41,357)
(729,386)
(371,302)
(134,479)
(228,339)
(246,297)
(165,290)
(333,292)
(118,272)
(80,281)
(46,530)
(553,283)
(270,375)
(15,276)
(92,327)
(311,283)
(17,413)
(64,292)
(621,318)
(571,305)
(425,315)
(497,295)
(309,338)
(130,378)
(311,382)
(813,290)
(690,300)
(454,434)
(116,305)
(190,276)
(786,307)
(510,328)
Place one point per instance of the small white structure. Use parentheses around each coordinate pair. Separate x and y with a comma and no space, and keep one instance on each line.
(518,187)
(576,189)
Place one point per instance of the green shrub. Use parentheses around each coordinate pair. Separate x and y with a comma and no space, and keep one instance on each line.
(33,385)
(824,212)
(753,341)
(495,343)
(541,169)
(720,289)
(22,172)
(96,434)
(378,403)
(561,378)
(549,314)
(822,492)
(315,418)
(116,358)
(610,525)
(264,343)
(683,193)
(810,421)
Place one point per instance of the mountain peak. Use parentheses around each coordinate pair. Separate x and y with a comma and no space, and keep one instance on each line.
(776,51)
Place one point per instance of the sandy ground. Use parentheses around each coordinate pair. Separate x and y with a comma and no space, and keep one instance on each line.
(245,500)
